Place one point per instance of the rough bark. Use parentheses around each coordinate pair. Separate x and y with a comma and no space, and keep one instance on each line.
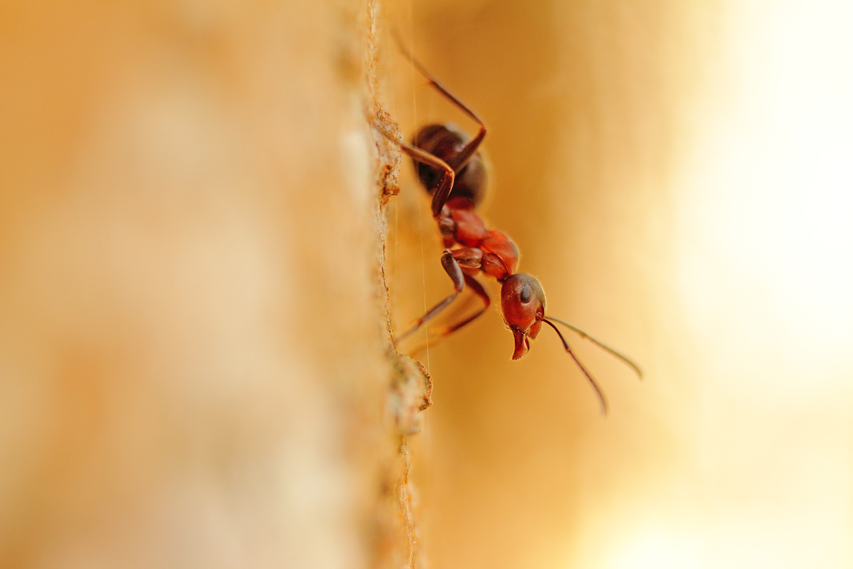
(195,349)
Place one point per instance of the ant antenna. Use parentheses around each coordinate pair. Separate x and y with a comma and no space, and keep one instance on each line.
(580,365)
(601,345)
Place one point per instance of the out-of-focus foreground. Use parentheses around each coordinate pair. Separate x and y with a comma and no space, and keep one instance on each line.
(678,174)
(192,364)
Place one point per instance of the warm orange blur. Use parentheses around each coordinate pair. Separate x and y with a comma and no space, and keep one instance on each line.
(678,175)
(191,366)
(191,348)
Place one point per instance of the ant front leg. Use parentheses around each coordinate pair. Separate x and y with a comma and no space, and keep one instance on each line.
(451,267)
(478,289)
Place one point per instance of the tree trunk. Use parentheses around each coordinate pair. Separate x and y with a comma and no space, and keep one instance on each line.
(194,343)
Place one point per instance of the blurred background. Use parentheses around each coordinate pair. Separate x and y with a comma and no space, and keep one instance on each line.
(193,363)
(678,175)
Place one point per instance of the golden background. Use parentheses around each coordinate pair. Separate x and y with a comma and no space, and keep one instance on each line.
(193,370)
(678,175)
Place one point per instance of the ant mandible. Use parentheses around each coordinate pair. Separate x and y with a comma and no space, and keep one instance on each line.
(450,167)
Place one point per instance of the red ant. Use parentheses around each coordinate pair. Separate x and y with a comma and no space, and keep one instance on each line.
(450,167)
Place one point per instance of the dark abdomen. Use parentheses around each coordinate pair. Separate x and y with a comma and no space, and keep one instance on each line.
(445,143)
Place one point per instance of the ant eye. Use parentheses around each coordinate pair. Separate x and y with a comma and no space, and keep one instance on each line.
(526,293)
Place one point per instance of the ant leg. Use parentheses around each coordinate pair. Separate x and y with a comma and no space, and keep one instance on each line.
(451,267)
(445,185)
(461,159)
(439,197)
(478,289)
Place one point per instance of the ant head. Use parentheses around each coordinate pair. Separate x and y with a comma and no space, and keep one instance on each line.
(523,305)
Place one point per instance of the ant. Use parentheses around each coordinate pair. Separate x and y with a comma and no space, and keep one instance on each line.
(452,170)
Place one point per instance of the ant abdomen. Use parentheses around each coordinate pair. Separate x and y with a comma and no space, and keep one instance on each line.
(445,142)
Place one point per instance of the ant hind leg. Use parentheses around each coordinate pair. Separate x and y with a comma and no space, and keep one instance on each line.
(445,183)
(461,159)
